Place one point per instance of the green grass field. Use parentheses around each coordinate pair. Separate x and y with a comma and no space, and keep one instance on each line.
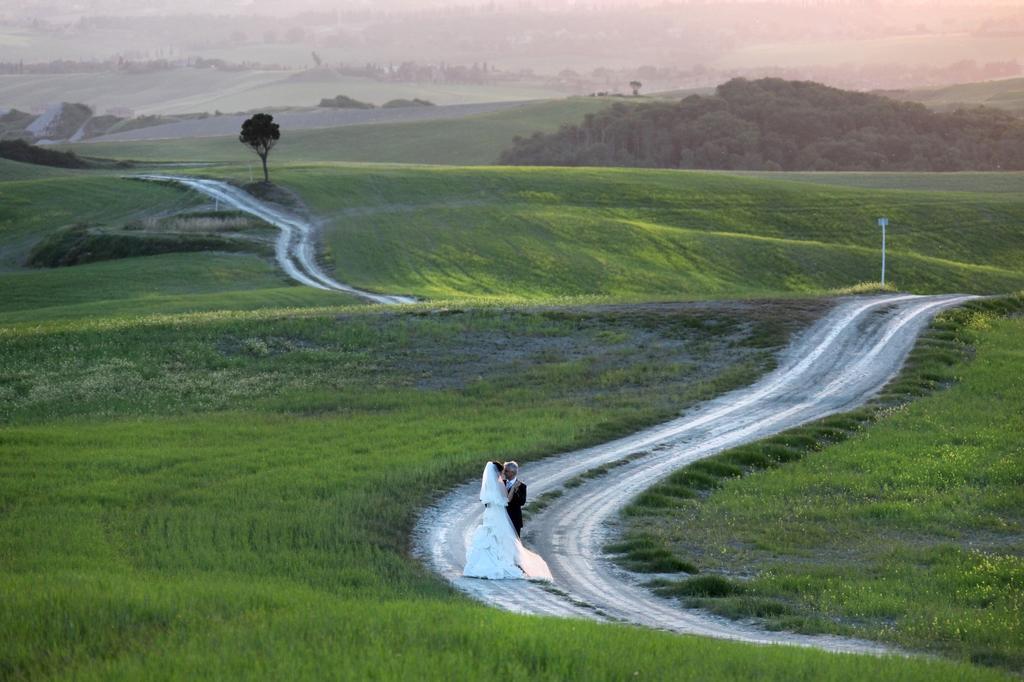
(35,200)
(212,473)
(221,498)
(902,524)
(1007,93)
(476,139)
(523,234)
(53,198)
(169,283)
(985,183)
(14,170)
(527,232)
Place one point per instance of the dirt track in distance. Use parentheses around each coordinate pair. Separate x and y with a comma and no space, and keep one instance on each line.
(295,249)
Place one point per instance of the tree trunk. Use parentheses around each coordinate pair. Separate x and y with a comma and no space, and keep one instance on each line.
(266,175)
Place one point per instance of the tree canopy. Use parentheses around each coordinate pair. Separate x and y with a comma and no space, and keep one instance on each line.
(774,124)
(260,134)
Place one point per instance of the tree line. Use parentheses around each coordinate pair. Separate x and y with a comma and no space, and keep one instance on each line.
(20,150)
(774,124)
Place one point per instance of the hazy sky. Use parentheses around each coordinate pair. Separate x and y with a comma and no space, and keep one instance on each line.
(59,9)
(819,37)
(293,6)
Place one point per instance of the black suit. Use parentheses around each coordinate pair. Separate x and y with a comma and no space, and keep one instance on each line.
(515,506)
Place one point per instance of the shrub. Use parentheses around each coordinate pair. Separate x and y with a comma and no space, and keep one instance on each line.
(81,243)
(20,150)
(702,586)
(402,103)
(344,102)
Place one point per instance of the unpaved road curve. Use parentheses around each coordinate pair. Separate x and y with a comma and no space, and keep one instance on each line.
(834,366)
(295,249)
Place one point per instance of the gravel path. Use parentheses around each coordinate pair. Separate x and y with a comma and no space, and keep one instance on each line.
(295,249)
(834,366)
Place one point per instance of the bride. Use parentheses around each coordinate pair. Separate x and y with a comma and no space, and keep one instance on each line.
(495,550)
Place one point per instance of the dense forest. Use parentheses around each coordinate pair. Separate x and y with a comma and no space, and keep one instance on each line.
(774,124)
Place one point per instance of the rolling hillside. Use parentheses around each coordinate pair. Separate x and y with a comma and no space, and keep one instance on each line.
(188,90)
(473,140)
(209,468)
(229,497)
(529,232)
(521,234)
(35,201)
(38,199)
(972,182)
(242,422)
(1005,94)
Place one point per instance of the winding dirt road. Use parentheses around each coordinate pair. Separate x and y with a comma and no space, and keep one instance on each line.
(834,366)
(295,249)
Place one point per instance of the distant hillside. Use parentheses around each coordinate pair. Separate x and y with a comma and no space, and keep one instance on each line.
(773,124)
(169,92)
(74,122)
(469,139)
(1006,94)
(57,122)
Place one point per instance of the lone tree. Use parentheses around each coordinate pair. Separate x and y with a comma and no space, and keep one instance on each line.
(636,85)
(261,134)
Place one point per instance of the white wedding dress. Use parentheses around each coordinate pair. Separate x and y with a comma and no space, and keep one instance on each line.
(495,551)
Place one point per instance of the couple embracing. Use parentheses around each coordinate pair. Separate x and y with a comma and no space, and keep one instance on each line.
(495,551)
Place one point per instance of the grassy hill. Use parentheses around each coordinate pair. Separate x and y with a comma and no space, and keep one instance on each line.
(971,182)
(521,234)
(529,232)
(37,200)
(166,284)
(16,170)
(473,140)
(230,496)
(1005,94)
(211,473)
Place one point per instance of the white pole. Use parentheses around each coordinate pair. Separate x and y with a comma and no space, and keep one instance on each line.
(883,222)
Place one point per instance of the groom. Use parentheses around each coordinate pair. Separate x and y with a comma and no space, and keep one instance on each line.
(516,490)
